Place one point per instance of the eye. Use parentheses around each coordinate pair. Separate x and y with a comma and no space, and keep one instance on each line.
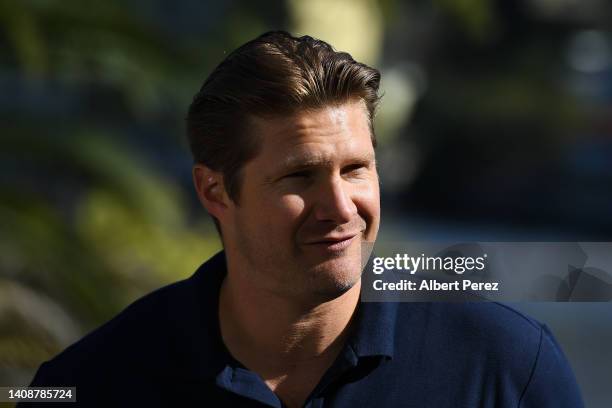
(298,174)
(356,168)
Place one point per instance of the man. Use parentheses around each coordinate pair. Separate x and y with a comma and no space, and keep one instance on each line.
(283,142)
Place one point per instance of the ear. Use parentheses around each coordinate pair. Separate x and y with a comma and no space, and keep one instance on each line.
(211,190)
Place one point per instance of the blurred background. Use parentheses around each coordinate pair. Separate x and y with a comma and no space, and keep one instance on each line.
(496,125)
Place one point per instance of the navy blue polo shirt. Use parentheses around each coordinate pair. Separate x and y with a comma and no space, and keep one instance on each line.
(166,349)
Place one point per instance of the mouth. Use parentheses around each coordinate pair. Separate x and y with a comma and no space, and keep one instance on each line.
(333,244)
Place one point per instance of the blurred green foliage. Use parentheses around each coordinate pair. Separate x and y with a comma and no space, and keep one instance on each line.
(87,221)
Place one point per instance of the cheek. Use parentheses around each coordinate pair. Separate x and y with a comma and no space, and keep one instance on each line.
(367,200)
(292,205)
(287,210)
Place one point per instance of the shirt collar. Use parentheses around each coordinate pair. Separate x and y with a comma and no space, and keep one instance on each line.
(206,338)
(374,333)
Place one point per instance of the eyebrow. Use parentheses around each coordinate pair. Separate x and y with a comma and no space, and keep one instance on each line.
(303,161)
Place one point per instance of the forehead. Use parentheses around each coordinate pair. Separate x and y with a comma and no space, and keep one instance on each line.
(324,133)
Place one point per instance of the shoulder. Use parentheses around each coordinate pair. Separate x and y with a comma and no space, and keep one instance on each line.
(474,323)
(481,335)
(489,345)
(155,334)
(130,342)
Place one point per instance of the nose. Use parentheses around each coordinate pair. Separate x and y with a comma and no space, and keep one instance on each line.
(335,203)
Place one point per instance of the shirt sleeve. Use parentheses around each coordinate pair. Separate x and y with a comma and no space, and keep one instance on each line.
(552,382)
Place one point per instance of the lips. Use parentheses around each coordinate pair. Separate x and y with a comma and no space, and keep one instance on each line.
(332,239)
(334,243)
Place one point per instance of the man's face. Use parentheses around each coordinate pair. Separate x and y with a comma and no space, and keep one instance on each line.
(308,203)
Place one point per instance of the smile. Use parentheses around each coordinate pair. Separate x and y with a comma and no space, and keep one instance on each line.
(333,244)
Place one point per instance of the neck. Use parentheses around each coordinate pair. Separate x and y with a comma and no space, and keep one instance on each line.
(263,327)
(290,343)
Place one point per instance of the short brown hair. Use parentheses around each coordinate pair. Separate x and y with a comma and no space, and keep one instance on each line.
(274,74)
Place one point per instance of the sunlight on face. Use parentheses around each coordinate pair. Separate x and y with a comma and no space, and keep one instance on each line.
(309,200)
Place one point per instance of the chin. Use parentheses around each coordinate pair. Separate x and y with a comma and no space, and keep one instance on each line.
(333,278)
(325,292)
